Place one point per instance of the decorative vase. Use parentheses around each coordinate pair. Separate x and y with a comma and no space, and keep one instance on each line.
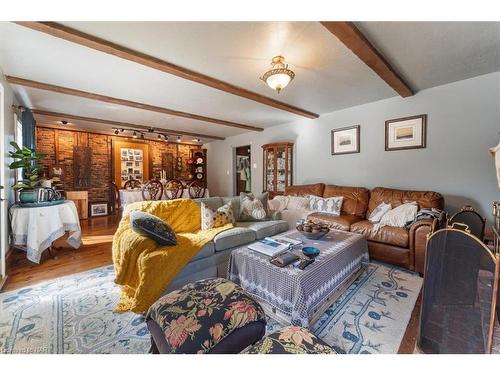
(28,195)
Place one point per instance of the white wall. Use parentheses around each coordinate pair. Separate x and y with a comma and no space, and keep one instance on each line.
(463,122)
(7,131)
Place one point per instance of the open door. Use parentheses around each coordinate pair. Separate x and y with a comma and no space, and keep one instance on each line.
(243,170)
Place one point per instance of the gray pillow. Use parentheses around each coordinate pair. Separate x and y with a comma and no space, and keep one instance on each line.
(153,227)
(253,208)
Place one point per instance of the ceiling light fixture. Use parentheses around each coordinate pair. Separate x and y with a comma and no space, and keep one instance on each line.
(166,137)
(178,138)
(134,135)
(279,76)
(116,131)
(122,130)
(159,136)
(142,135)
(64,122)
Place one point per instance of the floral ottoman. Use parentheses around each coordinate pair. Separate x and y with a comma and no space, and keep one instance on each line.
(291,340)
(208,316)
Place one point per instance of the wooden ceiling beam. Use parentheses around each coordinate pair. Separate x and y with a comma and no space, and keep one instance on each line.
(127,103)
(119,124)
(72,35)
(353,38)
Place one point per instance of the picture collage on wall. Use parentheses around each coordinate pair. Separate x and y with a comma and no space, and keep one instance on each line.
(132,164)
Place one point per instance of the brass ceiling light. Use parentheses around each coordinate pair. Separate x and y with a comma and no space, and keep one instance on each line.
(279,76)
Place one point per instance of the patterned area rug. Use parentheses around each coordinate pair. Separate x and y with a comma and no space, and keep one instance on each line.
(74,314)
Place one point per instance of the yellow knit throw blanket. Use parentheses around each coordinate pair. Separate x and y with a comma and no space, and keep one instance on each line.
(143,268)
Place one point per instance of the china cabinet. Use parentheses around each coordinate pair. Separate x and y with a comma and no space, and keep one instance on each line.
(278,167)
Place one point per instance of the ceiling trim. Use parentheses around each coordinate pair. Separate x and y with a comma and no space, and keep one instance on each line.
(122,124)
(124,102)
(72,35)
(353,38)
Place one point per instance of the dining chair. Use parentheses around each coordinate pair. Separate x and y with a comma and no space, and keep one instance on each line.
(114,198)
(174,189)
(470,220)
(152,190)
(132,184)
(196,189)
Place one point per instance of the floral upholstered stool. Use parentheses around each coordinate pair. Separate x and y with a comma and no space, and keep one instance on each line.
(208,316)
(291,340)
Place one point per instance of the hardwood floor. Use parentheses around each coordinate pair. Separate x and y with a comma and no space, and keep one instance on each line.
(97,236)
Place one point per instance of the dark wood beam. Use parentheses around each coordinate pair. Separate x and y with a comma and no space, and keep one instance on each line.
(127,103)
(353,38)
(90,41)
(119,124)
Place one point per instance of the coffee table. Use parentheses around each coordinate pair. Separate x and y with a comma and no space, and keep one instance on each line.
(299,297)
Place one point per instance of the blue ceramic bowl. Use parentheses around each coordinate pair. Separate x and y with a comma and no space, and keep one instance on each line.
(310,252)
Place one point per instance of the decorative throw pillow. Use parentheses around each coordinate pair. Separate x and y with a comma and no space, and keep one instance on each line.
(153,227)
(278,203)
(379,212)
(253,208)
(399,216)
(331,205)
(211,218)
(297,203)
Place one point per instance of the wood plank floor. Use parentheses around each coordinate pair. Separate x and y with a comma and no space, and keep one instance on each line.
(97,236)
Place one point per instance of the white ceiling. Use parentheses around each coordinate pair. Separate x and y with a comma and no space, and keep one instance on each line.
(328,75)
(429,54)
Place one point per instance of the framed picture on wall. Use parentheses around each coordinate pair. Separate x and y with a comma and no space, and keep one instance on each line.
(345,140)
(406,133)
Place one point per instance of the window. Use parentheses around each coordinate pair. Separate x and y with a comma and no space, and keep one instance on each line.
(19,140)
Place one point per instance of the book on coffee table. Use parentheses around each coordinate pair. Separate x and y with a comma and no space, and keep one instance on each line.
(268,246)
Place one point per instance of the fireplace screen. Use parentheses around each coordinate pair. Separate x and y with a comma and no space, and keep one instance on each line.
(459,294)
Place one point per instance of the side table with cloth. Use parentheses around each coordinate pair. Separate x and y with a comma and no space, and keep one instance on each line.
(37,227)
(299,297)
(135,195)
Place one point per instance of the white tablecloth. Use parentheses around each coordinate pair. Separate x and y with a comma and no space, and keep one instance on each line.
(131,196)
(37,227)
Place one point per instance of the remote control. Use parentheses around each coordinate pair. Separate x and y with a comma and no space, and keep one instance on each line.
(305,263)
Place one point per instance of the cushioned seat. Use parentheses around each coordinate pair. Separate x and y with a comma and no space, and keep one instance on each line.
(291,340)
(208,316)
(206,251)
(342,222)
(389,235)
(264,229)
(233,237)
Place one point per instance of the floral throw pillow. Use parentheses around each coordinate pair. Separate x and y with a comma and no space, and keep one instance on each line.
(211,218)
(331,205)
(198,316)
(291,340)
(253,208)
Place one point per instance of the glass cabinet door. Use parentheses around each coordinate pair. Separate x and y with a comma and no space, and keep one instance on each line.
(269,170)
(281,169)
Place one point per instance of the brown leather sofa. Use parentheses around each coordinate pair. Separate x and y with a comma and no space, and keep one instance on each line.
(399,246)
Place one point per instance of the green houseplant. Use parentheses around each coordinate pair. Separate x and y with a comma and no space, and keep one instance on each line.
(27,159)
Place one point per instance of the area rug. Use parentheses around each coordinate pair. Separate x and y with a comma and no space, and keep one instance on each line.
(74,314)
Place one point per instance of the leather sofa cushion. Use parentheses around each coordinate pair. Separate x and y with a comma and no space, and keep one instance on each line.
(342,222)
(301,190)
(424,199)
(233,237)
(355,198)
(388,235)
(264,229)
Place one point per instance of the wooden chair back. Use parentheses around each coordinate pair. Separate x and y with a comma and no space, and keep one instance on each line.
(152,190)
(174,189)
(132,184)
(114,197)
(196,189)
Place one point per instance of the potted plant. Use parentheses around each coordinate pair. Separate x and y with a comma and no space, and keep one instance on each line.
(27,159)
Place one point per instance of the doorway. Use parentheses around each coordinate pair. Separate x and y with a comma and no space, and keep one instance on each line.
(243,170)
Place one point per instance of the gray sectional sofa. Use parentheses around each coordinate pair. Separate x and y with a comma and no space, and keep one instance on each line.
(212,259)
